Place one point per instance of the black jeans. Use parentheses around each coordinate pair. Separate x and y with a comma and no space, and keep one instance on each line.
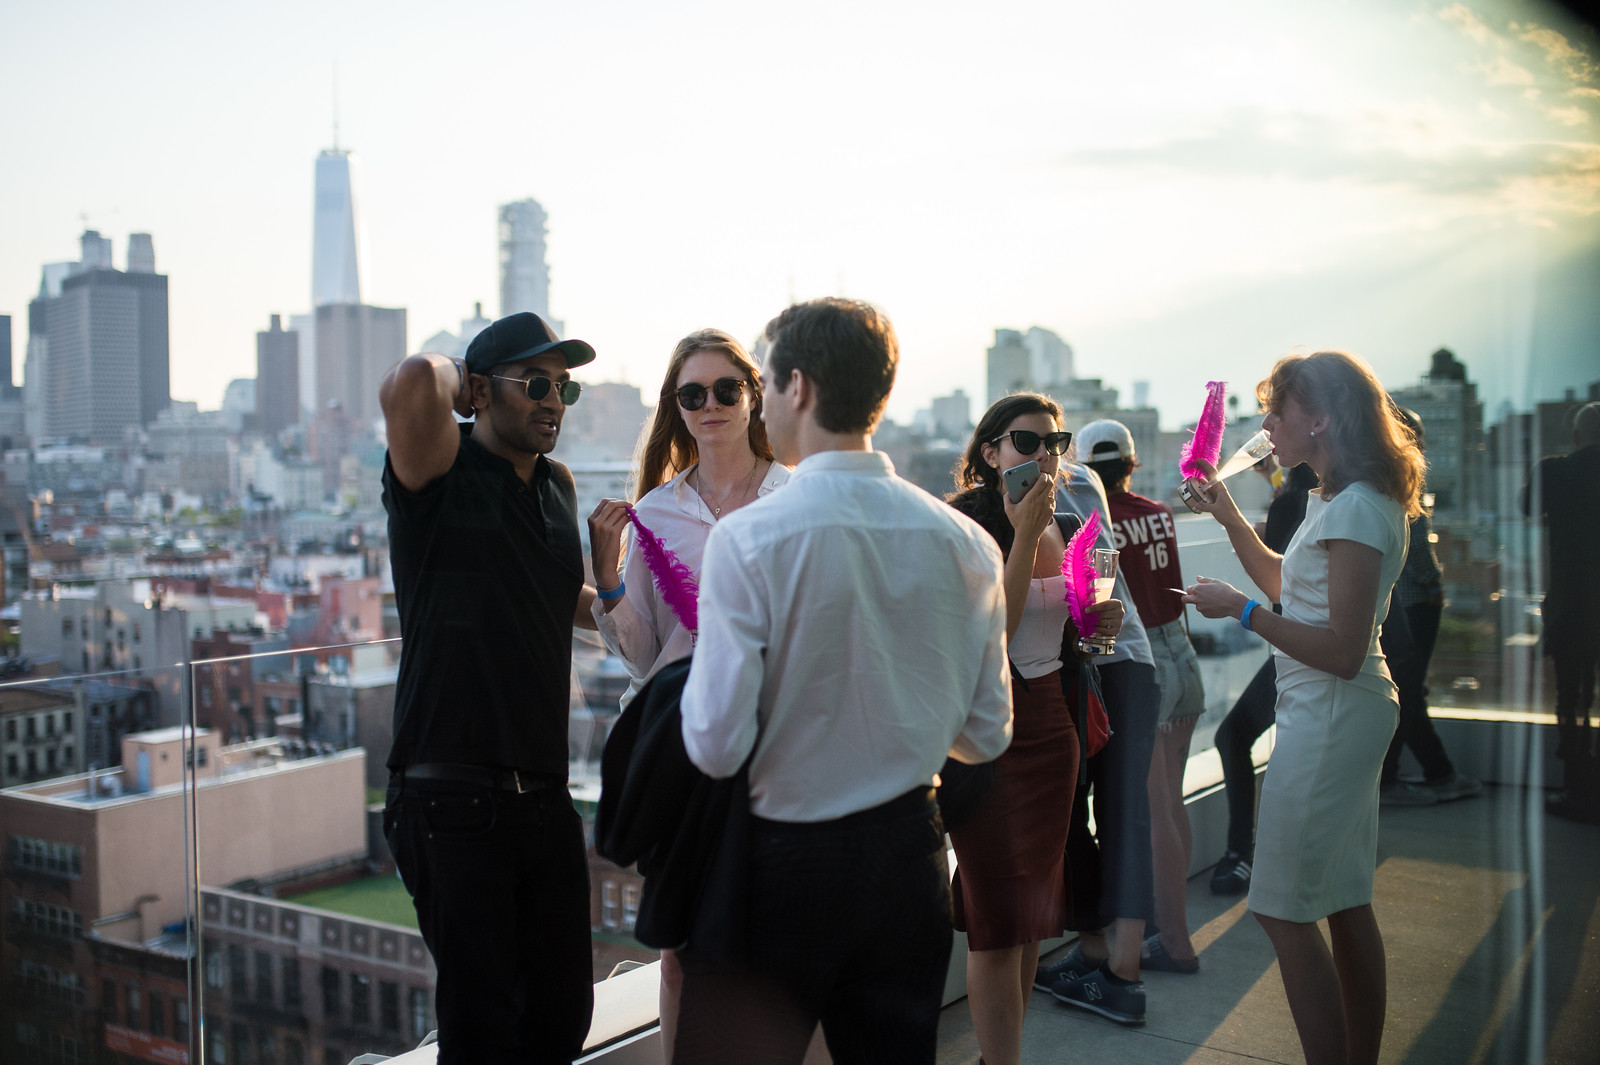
(1114,877)
(849,926)
(501,886)
(1410,674)
(1253,714)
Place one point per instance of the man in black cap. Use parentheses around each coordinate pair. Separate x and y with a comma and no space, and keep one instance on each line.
(488,578)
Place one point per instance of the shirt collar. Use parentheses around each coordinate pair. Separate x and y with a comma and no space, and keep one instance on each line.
(541,464)
(874,463)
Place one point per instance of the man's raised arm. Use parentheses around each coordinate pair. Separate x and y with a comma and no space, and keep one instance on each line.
(417,396)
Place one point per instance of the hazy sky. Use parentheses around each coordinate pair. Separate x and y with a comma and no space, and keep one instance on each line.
(1182,191)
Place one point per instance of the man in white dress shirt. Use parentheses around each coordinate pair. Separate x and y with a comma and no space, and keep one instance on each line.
(852,635)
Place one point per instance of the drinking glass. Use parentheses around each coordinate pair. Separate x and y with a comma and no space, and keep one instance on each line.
(1104,561)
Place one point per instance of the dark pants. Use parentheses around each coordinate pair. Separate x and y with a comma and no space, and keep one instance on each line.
(849,926)
(1253,714)
(1410,673)
(1572,640)
(501,886)
(1113,877)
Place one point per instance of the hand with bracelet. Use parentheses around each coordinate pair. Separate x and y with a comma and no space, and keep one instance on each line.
(1219,599)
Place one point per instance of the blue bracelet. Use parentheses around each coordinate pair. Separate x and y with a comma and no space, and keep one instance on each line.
(616,593)
(1244,616)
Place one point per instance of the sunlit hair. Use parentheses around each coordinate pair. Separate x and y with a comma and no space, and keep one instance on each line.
(1367,436)
(977,492)
(668,448)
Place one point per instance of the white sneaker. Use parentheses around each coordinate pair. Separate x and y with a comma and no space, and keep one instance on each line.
(1403,793)
(1455,786)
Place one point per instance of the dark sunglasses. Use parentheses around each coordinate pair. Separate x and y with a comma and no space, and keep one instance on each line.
(539,387)
(726,389)
(1026,441)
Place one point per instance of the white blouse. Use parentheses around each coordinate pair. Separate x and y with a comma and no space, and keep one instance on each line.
(1036,648)
(641,629)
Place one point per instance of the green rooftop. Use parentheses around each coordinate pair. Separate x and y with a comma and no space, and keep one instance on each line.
(376,898)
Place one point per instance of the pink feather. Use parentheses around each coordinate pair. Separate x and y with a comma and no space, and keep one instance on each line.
(679,590)
(1077,568)
(1206,444)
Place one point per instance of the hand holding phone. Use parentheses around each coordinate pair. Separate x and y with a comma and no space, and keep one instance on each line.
(1018,479)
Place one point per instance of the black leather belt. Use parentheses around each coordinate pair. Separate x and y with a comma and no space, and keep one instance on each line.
(514,780)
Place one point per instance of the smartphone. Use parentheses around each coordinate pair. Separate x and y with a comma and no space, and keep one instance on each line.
(1019,479)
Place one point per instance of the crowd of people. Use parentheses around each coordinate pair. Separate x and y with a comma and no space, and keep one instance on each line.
(849,642)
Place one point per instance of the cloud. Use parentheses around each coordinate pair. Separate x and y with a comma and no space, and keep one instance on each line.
(1502,71)
(1559,52)
(1473,26)
(1568,116)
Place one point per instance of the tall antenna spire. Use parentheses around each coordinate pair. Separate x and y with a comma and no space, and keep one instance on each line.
(336,105)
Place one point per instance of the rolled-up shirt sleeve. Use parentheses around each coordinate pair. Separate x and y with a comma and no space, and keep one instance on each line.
(987,731)
(721,698)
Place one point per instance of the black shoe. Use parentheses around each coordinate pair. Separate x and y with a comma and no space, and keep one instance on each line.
(1153,956)
(1072,966)
(1096,992)
(1232,875)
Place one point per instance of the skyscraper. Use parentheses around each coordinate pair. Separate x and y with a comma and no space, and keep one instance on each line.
(5,353)
(356,345)
(524,274)
(277,379)
(105,335)
(335,264)
(141,254)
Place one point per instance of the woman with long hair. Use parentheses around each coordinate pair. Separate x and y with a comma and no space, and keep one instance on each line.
(1010,889)
(1317,836)
(705,456)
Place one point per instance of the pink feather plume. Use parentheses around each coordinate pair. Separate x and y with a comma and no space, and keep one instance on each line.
(679,590)
(1206,444)
(1078,569)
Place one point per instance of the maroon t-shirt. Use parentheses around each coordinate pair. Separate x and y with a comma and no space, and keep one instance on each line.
(1142,530)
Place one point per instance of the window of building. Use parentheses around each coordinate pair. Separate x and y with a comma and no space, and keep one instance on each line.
(630,906)
(291,985)
(158,1014)
(11,730)
(33,764)
(32,729)
(108,996)
(609,910)
(239,1042)
(219,1042)
(180,1021)
(294,1051)
(360,998)
(11,766)
(66,721)
(331,1000)
(50,762)
(238,973)
(133,1013)
(421,1013)
(389,1006)
(57,922)
(66,626)
(136,632)
(266,1046)
(263,977)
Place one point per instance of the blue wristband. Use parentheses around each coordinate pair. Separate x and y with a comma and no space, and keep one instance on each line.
(1244,616)
(616,593)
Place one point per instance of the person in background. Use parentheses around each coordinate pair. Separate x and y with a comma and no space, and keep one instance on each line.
(705,456)
(852,636)
(1110,871)
(1420,596)
(1142,530)
(1254,711)
(1317,842)
(1010,885)
(1565,495)
(488,578)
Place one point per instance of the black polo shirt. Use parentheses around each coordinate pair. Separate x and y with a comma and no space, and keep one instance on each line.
(487,571)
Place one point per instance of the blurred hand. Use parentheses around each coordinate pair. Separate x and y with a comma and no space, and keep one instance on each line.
(1108,617)
(1215,599)
(606,526)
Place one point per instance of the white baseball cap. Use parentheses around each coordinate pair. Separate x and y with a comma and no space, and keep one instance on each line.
(1102,440)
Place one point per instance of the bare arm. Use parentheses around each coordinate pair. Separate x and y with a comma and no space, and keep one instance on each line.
(1339,648)
(417,396)
(1264,565)
(583,617)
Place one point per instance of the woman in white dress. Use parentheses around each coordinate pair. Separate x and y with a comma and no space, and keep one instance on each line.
(706,455)
(1316,848)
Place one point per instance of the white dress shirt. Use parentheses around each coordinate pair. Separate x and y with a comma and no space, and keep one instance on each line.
(852,634)
(641,629)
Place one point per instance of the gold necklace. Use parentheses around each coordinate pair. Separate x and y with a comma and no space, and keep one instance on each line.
(716,509)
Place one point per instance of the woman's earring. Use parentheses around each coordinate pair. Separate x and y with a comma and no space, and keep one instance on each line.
(1313,432)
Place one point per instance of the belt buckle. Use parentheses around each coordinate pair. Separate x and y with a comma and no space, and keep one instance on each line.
(516,780)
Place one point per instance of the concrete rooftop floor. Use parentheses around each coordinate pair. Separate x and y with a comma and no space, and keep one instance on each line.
(1489,913)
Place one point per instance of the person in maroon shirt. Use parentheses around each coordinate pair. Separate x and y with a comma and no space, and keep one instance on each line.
(1142,530)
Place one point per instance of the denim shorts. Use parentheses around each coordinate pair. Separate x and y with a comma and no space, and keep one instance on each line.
(1183,695)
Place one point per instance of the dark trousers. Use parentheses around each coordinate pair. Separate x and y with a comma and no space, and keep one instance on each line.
(1253,713)
(1410,673)
(849,926)
(1112,877)
(501,886)
(1572,640)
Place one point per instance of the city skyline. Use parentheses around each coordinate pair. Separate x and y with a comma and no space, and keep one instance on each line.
(1180,199)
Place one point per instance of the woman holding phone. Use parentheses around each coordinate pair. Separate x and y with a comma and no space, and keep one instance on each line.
(1316,841)
(1010,888)
(705,456)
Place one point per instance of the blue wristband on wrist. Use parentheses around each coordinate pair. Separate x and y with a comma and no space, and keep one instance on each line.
(1244,615)
(606,596)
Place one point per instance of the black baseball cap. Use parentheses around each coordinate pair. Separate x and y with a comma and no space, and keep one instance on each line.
(521,336)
